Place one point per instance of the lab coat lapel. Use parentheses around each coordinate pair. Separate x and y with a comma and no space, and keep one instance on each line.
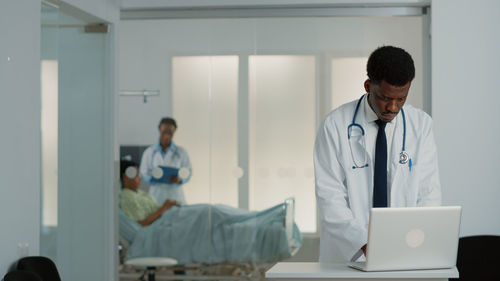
(363,176)
(361,119)
(397,143)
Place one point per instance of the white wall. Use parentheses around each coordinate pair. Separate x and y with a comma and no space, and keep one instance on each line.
(465,106)
(20,128)
(145,47)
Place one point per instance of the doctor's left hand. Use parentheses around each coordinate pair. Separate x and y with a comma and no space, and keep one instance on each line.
(175,179)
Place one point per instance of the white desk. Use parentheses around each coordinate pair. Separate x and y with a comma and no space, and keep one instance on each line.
(297,271)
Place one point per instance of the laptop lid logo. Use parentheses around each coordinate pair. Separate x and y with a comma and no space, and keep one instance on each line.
(415,238)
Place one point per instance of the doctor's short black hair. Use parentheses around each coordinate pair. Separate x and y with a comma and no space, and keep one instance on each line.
(167,120)
(390,64)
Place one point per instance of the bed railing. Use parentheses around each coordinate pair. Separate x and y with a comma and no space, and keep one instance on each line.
(289,220)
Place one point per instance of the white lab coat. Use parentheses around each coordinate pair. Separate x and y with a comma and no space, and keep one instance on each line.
(344,194)
(175,156)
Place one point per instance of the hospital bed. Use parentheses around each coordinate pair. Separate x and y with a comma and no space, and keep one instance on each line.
(207,270)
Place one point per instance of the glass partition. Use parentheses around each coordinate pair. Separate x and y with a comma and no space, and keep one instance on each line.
(49,69)
(77,149)
(248,95)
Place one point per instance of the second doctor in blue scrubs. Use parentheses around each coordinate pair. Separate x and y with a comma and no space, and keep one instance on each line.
(166,153)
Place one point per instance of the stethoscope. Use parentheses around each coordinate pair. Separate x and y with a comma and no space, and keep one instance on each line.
(175,153)
(403,155)
(158,172)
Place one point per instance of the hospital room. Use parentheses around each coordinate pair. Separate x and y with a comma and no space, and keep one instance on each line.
(244,140)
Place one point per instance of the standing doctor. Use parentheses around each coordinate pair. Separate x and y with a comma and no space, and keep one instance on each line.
(373,152)
(166,153)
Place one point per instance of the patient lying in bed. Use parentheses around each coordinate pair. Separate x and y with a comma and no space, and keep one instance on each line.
(135,203)
(201,233)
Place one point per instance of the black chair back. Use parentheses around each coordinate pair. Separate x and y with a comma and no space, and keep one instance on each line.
(42,266)
(19,275)
(478,258)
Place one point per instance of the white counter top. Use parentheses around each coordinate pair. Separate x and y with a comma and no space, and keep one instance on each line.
(313,270)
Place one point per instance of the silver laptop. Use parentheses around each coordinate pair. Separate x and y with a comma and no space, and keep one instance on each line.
(411,238)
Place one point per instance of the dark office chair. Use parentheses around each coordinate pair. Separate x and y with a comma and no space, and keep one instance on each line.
(19,275)
(478,258)
(42,266)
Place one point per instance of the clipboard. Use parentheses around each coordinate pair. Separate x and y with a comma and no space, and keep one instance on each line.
(161,174)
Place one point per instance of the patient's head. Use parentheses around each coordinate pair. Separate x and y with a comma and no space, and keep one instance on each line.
(129,175)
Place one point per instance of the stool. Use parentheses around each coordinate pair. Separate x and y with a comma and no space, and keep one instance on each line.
(150,263)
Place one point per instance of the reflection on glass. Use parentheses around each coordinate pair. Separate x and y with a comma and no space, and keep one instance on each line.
(348,77)
(49,120)
(205,91)
(49,79)
(282,129)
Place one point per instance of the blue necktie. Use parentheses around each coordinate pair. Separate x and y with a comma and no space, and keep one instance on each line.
(380,170)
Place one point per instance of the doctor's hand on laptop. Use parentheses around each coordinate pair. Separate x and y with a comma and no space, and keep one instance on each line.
(364,249)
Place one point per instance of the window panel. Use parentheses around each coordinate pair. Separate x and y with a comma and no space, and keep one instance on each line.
(205,92)
(348,77)
(282,132)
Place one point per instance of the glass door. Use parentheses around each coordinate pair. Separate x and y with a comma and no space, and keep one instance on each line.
(77,149)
